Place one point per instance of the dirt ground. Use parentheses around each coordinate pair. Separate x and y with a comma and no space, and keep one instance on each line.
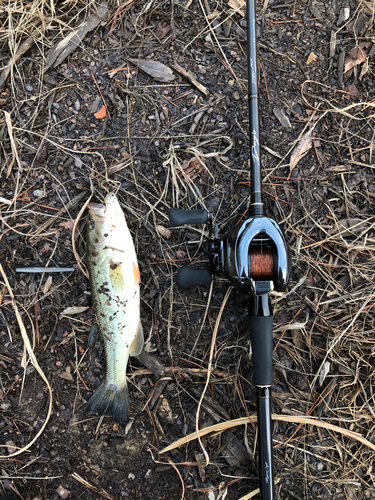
(177,139)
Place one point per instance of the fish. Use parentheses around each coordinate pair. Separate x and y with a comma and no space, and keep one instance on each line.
(115,289)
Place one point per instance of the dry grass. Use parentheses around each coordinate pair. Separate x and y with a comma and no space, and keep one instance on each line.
(325,322)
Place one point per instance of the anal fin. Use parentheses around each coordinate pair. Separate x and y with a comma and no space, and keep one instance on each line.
(136,346)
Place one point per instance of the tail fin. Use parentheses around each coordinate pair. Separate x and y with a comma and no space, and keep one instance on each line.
(110,399)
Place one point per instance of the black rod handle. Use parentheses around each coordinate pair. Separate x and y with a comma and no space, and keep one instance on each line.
(261,336)
(188,276)
(179,217)
(266,472)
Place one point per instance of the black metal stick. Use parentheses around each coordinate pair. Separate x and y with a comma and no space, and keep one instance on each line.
(256,207)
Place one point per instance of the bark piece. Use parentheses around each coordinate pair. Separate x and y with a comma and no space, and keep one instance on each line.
(61,50)
(234,451)
(340,70)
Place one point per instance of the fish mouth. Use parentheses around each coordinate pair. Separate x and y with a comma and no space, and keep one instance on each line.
(97,212)
(108,212)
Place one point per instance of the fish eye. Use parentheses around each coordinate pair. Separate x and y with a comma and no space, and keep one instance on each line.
(91,225)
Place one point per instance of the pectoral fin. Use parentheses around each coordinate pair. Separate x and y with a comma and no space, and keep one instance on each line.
(116,277)
(137,345)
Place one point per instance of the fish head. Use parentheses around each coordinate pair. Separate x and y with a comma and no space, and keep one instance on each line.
(107,230)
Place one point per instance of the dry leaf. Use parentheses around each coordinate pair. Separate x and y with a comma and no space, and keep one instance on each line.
(365,68)
(47,285)
(238,5)
(304,145)
(191,168)
(348,227)
(162,29)
(102,113)
(356,56)
(163,231)
(312,58)
(67,224)
(156,69)
(73,310)
(351,92)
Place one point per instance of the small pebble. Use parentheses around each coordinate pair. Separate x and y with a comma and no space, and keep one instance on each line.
(62,492)
(29,87)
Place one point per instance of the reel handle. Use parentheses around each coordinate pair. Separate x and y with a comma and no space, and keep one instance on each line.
(179,217)
(187,277)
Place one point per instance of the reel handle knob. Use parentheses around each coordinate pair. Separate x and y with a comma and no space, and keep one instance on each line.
(187,276)
(179,217)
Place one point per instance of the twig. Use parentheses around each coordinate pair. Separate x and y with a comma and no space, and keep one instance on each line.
(189,75)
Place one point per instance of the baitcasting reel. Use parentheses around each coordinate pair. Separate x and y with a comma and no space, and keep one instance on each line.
(254,256)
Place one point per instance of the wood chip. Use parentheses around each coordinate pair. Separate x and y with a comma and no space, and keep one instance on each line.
(234,451)
(344,15)
(340,70)
(312,58)
(238,5)
(163,231)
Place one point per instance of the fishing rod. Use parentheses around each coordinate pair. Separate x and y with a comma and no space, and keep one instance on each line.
(254,257)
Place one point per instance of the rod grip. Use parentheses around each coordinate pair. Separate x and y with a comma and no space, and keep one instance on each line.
(179,217)
(261,336)
(188,276)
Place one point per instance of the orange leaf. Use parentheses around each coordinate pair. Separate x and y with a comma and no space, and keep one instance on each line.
(102,113)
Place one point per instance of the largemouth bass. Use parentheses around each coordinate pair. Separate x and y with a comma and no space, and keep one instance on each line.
(114,281)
